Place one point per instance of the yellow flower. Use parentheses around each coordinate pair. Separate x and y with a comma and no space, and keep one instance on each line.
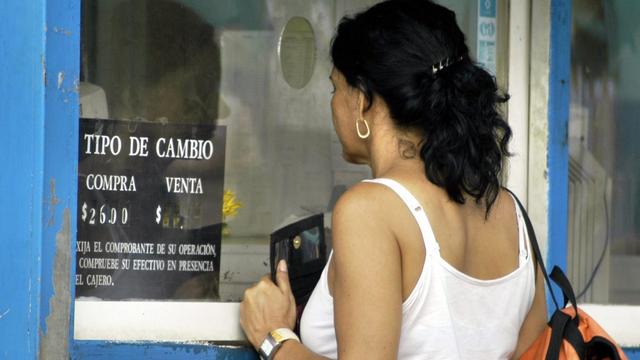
(230,204)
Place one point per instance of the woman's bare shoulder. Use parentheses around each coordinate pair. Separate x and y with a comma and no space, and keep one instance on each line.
(363,198)
(365,213)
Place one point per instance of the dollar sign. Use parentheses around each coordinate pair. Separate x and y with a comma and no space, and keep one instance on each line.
(158,214)
(84,211)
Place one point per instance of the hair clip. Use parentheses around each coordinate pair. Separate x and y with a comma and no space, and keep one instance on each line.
(442,64)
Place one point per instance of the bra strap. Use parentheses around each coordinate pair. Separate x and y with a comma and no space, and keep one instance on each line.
(416,210)
(523,236)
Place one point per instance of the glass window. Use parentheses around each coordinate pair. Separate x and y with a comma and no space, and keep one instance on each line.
(604,192)
(233,76)
(172,69)
(205,131)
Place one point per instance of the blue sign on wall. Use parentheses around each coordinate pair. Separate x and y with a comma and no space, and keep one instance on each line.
(487,8)
(487,30)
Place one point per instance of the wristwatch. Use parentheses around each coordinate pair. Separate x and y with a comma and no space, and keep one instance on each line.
(273,342)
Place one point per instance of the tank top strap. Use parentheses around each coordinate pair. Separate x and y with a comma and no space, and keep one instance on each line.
(416,210)
(523,236)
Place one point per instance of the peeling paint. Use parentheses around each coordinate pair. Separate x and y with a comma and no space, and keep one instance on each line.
(55,342)
(52,188)
(60,79)
(145,350)
(53,202)
(44,70)
(538,120)
(62,31)
(5,313)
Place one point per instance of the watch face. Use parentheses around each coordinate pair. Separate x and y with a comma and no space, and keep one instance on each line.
(273,341)
(268,346)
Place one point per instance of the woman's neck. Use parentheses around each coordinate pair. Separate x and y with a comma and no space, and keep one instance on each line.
(390,152)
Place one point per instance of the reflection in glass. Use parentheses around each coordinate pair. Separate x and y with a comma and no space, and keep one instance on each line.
(217,63)
(310,244)
(604,190)
(156,60)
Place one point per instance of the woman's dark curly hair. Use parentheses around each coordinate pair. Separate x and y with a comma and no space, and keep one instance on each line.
(389,50)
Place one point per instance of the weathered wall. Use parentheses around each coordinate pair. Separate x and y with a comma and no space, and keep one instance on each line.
(538,186)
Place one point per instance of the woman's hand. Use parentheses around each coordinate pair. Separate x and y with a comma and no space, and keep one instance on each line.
(267,306)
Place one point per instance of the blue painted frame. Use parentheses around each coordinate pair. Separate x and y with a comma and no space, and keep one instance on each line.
(558,145)
(21,153)
(558,151)
(39,98)
(61,126)
(165,351)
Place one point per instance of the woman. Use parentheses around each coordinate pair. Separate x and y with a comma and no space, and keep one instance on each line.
(430,259)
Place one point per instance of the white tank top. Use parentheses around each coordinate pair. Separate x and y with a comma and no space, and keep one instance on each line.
(448,315)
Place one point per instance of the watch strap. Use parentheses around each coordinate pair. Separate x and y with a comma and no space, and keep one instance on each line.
(283,334)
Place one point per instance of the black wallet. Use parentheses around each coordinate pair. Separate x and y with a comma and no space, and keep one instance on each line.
(303,245)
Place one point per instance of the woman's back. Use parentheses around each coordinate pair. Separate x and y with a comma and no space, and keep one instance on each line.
(483,248)
(464,295)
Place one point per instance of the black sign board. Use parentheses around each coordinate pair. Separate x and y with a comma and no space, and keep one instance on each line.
(149,210)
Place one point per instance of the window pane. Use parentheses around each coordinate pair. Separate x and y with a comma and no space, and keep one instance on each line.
(217,64)
(604,192)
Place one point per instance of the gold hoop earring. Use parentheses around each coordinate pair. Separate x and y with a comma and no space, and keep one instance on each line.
(360,134)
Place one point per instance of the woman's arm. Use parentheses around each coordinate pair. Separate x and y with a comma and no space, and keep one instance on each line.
(536,320)
(367,283)
(367,287)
